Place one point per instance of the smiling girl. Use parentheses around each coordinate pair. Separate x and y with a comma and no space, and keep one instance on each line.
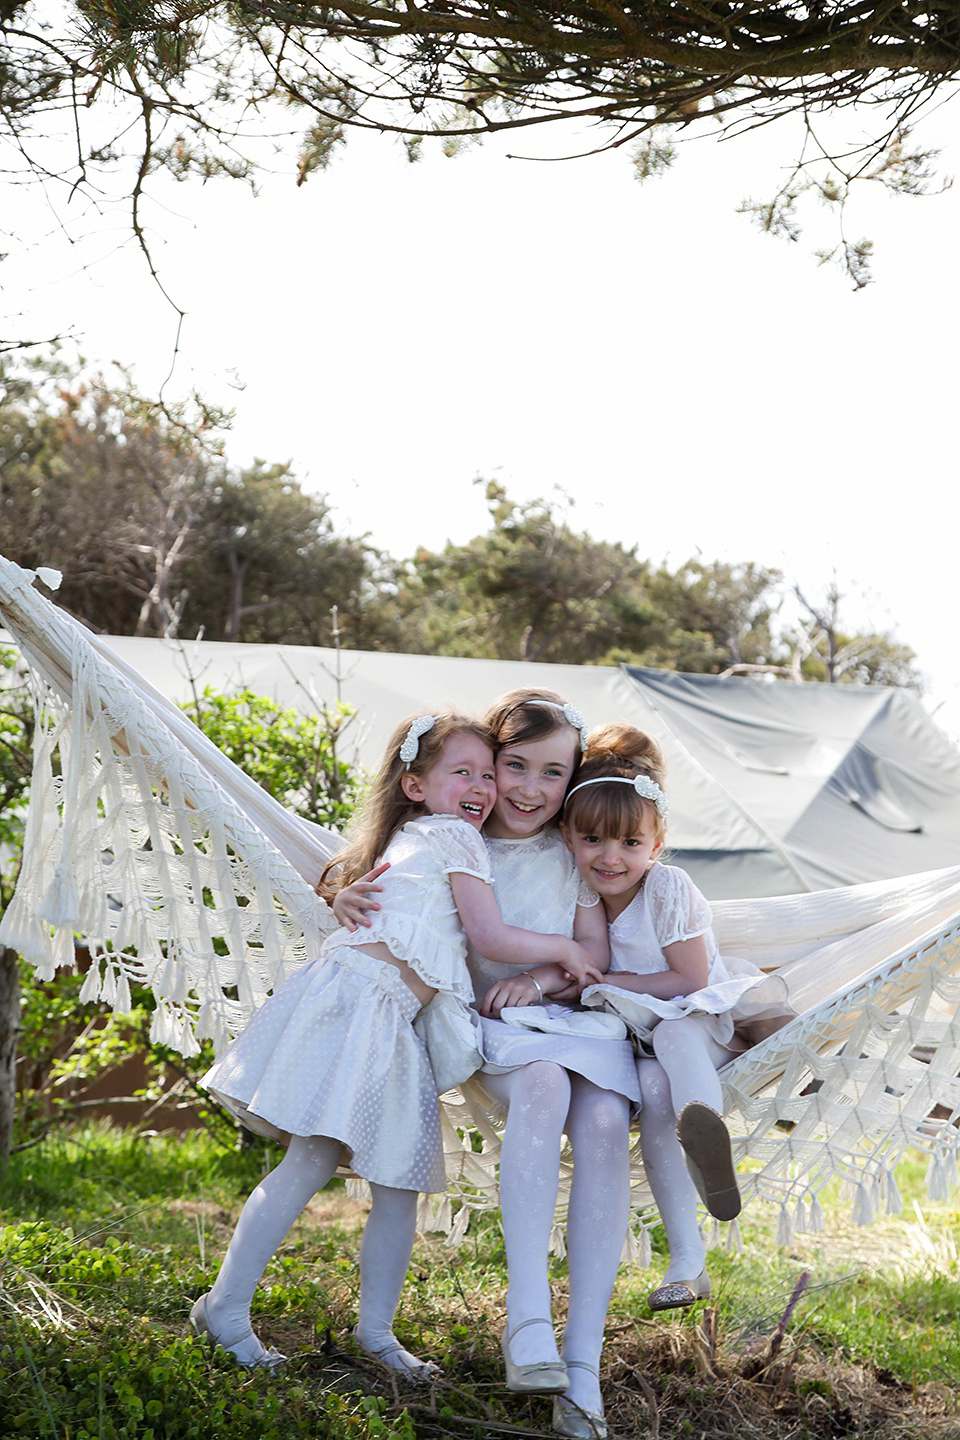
(668,982)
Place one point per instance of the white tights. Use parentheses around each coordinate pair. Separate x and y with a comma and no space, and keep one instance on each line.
(667,1174)
(545,1100)
(264,1223)
(685,1069)
(691,1059)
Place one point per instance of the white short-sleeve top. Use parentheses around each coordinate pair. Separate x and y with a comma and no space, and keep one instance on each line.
(418,920)
(668,908)
(537,888)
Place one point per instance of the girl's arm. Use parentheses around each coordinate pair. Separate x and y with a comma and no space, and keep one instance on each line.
(688,971)
(508,944)
(590,931)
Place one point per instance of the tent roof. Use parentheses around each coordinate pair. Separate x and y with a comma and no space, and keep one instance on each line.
(774,788)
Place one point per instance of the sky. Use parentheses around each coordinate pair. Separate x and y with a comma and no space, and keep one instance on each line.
(689,385)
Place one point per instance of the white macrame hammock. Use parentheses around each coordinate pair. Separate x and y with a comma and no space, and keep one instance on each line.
(181,874)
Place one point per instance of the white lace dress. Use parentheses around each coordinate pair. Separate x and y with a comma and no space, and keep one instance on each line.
(538,888)
(669,908)
(334,1051)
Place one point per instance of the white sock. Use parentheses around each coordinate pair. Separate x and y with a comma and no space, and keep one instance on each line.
(667,1173)
(264,1223)
(598,1127)
(384,1260)
(691,1059)
(538,1096)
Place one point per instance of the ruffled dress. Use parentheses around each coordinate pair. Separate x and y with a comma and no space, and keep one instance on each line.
(342,1049)
(538,888)
(737,1004)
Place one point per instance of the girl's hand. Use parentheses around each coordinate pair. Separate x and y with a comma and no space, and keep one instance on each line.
(513,990)
(352,905)
(579,966)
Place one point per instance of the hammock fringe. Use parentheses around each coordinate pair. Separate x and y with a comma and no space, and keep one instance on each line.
(177,872)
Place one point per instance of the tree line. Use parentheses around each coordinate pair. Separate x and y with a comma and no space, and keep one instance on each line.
(157,534)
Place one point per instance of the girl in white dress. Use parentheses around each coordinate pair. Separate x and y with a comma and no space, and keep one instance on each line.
(335,1062)
(548,1083)
(680,1001)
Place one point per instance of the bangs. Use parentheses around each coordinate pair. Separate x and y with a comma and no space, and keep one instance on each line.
(614,811)
(527,722)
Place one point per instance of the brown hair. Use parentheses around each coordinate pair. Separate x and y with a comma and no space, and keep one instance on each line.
(385,808)
(524,715)
(620,750)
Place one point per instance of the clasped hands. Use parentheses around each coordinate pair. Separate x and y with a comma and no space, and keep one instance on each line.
(553,983)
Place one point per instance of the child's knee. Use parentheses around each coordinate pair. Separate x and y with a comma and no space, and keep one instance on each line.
(655,1096)
(673,1038)
(545,1084)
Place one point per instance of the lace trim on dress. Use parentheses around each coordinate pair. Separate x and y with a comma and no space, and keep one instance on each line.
(429,954)
(455,845)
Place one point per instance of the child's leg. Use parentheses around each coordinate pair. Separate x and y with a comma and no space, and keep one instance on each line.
(538,1096)
(384,1260)
(691,1058)
(667,1174)
(263,1225)
(598,1128)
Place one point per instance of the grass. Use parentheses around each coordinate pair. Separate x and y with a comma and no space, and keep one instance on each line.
(106,1237)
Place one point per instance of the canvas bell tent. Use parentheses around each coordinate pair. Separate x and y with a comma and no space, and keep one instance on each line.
(774,787)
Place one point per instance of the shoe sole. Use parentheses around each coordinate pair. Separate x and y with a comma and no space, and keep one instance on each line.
(706,1143)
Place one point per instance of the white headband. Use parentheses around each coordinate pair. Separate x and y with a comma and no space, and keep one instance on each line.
(411,744)
(646,788)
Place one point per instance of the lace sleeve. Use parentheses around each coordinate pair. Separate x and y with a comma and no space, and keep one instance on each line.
(677,908)
(457,846)
(586,896)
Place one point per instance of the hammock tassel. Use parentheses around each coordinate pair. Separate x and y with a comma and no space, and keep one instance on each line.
(187,1044)
(459,1227)
(163,1028)
(123,1004)
(937,1179)
(60,907)
(358,1189)
(815,1220)
(20,930)
(863,1206)
(212,1026)
(558,1242)
(894,1202)
(90,989)
(784,1228)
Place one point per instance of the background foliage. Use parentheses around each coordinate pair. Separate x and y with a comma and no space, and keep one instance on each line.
(194,545)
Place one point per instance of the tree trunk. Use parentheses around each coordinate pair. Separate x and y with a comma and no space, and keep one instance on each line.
(9,1030)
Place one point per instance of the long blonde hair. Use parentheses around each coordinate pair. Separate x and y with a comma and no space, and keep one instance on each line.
(620,750)
(386,807)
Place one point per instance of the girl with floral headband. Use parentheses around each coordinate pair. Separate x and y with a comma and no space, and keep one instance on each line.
(579,1080)
(345,1060)
(667,981)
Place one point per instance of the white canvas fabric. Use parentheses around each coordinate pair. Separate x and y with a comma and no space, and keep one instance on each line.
(181,873)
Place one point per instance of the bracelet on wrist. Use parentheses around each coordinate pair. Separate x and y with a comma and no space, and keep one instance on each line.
(537,983)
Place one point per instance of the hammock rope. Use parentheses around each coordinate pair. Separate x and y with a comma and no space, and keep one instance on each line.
(182,874)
